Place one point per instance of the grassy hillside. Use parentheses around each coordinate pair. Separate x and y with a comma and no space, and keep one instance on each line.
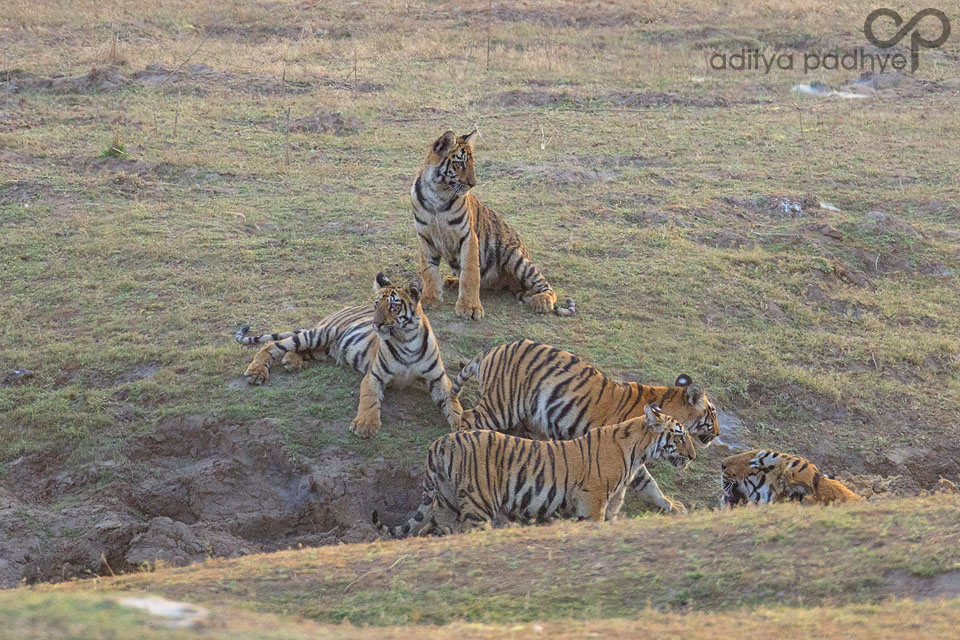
(55,616)
(655,192)
(784,555)
(170,171)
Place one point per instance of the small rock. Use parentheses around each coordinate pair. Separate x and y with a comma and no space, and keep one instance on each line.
(16,376)
(830,232)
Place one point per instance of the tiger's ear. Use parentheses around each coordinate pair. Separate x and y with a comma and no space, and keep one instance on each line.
(380,282)
(694,394)
(470,138)
(414,287)
(654,414)
(683,380)
(444,143)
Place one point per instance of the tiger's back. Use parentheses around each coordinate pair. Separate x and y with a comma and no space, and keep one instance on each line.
(557,395)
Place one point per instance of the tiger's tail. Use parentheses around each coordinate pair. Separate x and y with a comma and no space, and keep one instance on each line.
(242,336)
(418,524)
(467,371)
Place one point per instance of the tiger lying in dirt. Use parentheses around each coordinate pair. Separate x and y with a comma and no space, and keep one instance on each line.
(390,342)
(762,476)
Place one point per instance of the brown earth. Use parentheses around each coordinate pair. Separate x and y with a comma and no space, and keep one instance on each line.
(188,490)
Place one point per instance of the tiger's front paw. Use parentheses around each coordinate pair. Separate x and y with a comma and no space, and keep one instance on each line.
(257,373)
(451,284)
(543,302)
(431,300)
(292,362)
(365,426)
(469,310)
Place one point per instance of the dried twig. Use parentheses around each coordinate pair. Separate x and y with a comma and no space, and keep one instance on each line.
(286,140)
(489,23)
(364,575)
(103,559)
(192,53)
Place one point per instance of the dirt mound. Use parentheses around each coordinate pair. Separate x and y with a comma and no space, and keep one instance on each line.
(522,98)
(562,176)
(197,78)
(326,122)
(660,99)
(190,489)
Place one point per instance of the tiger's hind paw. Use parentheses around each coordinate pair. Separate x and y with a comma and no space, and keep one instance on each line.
(257,373)
(673,506)
(292,362)
(451,284)
(543,302)
(430,300)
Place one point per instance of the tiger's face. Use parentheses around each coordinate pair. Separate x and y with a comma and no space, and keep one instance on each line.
(743,483)
(452,157)
(691,406)
(396,308)
(674,443)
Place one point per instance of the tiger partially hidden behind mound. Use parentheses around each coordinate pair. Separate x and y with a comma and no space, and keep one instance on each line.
(484,478)
(390,343)
(762,476)
(551,393)
(481,248)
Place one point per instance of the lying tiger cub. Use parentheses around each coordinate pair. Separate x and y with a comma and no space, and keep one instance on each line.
(482,478)
(391,342)
(762,476)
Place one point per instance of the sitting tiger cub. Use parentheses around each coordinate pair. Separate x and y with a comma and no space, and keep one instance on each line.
(551,393)
(484,478)
(762,476)
(390,342)
(453,225)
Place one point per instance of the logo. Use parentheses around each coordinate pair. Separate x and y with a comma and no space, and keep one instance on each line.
(916,40)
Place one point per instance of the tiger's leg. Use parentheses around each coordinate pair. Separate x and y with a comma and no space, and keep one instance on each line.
(481,417)
(472,516)
(468,304)
(537,291)
(367,422)
(593,505)
(258,371)
(649,492)
(449,405)
(615,503)
(430,273)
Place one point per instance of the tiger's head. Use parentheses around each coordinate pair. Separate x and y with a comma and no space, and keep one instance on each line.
(396,310)
(452,159)
(742,483)
(794,478)
(688,403)
(673,441)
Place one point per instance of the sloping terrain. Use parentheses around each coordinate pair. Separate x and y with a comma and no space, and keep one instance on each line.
(823,570)
(172,171)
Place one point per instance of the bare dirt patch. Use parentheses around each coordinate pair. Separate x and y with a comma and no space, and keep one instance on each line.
(941,586)
(325,122)
(190,489)
(527,98)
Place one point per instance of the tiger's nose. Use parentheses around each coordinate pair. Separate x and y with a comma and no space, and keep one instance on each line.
(377,325)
